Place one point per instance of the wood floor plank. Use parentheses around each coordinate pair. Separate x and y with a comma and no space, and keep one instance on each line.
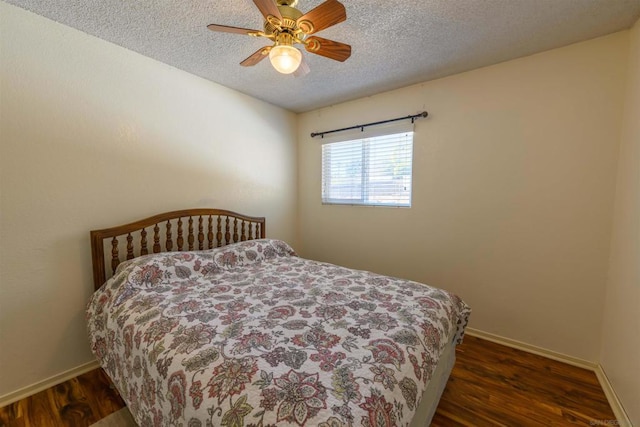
(491,385)
(522,388)
(101,395)
(73,406)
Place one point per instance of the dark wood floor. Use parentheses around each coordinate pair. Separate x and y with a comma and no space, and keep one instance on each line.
(491,385)
(79,402)
(494,385)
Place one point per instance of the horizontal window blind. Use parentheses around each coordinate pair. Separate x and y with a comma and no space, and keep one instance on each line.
(372,171)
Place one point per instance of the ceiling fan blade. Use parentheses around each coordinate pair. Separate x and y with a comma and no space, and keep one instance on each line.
(329,13)
(328,48)
(228,29)
(302,70)
(268,7)
(256,57)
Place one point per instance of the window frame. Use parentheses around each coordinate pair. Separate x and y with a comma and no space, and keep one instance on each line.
(365,138)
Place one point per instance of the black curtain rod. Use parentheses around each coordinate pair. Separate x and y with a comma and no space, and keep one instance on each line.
(361,127)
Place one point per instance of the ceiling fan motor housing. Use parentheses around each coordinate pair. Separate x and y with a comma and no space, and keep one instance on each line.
(288,23)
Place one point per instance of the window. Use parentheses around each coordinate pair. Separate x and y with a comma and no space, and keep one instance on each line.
(373,171)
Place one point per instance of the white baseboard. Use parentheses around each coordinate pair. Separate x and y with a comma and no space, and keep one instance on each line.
(612,397)
(609,392)
(519,345)
(32,389)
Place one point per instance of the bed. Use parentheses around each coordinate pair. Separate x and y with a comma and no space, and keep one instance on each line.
(206,322)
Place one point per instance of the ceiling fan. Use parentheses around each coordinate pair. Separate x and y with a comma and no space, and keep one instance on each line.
(286,26)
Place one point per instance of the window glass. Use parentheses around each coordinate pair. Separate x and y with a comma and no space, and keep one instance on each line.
(372,171)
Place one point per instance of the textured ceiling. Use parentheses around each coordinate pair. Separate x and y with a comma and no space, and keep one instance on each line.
(394,43)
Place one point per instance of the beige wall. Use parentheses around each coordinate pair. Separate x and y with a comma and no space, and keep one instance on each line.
(514,175)
(620,355)
(94,135)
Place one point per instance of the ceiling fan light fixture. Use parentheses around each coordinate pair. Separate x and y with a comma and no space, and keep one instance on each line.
(285,59)
(286,26)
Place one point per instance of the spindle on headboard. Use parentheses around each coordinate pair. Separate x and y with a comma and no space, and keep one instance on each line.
(200,233)
(235,230)
(156,239)
(143,242)
(250,230)
(180,239)
(115,260)
(243,236)
(168,244)
(130,246)
(190,238)
(210,235)
(227,234)
(219,232)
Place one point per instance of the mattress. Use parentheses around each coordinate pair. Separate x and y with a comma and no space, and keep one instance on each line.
(252,334)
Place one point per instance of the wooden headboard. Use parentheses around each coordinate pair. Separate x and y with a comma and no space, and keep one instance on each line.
(205,229)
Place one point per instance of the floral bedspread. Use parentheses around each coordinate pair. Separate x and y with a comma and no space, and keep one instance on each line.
(251,334)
